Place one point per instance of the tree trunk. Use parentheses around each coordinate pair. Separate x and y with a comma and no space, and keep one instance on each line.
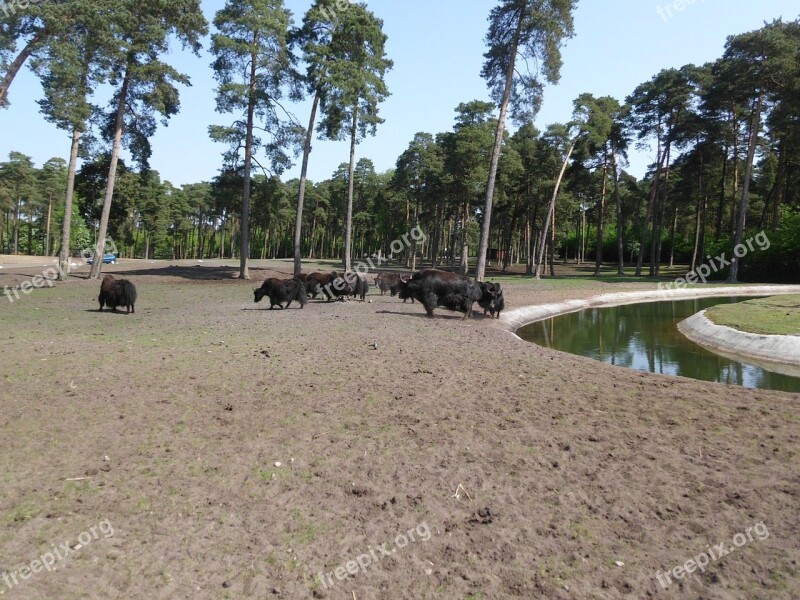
(298,222)
(650,208)
(498,145)
(222,232)
(780,184)
(464,241)
(17,211)
(15,66)
(437,241)
(673,227)
(47,228)
(620,219)
(697,228)
(529,245)
(99,250)
(553,243)
(30,232)
(598,256)
(755,127)
(661,212)
(734,197)
(414,245)
(348,226)
(244,272)
(550,210)
(722,188)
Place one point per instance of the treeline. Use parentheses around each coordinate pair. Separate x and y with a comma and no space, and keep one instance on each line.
(726,135)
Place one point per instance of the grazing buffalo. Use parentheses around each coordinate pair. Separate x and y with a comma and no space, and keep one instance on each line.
(491,299)
(441,288)
(117,292)
(358,284)
(280,291)
(388,282)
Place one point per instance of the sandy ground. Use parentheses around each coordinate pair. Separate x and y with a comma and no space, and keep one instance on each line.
(520,472)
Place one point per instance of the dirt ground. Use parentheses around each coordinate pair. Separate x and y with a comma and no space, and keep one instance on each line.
(206,447)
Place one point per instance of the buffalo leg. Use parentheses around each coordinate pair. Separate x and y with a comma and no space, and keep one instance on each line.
(429,302)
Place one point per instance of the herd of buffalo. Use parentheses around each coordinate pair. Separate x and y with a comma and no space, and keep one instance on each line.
(430,287)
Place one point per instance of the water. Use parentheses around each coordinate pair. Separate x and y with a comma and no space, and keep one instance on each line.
(645,337)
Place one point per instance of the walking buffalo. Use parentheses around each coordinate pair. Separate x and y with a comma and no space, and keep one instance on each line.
(388,282)
(441,288)
(316,281)
(282,290)
(117,292)
(491,298)
(358,284)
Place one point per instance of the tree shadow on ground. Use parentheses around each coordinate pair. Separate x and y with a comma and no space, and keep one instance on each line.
(192,273)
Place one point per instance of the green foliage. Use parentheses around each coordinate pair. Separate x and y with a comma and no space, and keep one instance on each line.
(255,70)
(687,206)
(354,84)
(529,31)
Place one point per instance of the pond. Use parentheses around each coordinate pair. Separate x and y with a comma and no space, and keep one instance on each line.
(645,337)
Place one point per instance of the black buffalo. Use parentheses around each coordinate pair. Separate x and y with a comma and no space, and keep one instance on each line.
(441,288)
(314,282)
(280,291)
(359,286)
(117,292)
(336,288)
(404,295)
(331,285)
(491,299)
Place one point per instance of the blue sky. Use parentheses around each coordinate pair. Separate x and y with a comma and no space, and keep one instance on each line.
(437,47)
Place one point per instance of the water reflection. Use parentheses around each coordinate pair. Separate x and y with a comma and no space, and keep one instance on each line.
(645,337)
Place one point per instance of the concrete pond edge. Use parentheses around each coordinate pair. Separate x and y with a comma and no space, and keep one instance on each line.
(781,354)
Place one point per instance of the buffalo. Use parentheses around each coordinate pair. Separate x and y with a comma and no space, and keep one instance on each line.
(117,292)
(280,291)
(337,287)
(403,291)
(388,282)
(358,284)
(329,284)
(491,299)
(314,282)
(441,288)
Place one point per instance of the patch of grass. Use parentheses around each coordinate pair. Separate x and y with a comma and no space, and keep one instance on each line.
(778,315)
(22,512)
(78,487)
